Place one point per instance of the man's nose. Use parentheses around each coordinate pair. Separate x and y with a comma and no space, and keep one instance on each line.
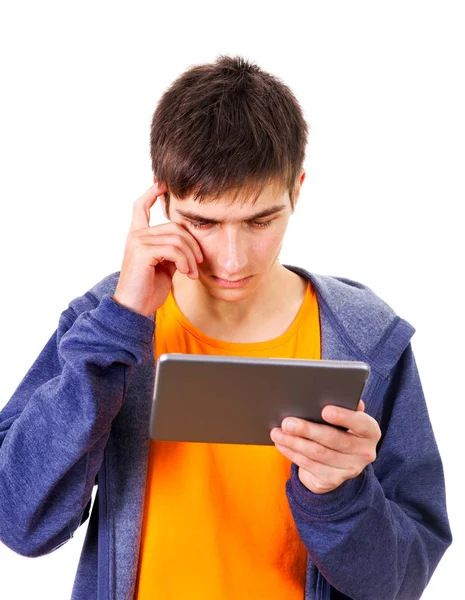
(232,252)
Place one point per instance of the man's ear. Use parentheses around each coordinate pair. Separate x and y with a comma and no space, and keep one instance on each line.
(298,188)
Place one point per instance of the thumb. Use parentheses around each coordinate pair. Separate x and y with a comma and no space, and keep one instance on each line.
(361,405)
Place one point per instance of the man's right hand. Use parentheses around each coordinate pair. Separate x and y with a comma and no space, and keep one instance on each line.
(151,257)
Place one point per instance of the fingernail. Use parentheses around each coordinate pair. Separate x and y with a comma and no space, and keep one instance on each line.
(289,425)
(330,412)
(277,436)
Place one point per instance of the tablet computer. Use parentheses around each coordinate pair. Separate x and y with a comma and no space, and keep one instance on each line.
(238,400)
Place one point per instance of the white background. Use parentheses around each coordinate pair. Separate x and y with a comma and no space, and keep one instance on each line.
(382,88)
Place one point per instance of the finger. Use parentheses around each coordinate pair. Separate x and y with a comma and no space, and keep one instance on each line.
(181,231)
(313,451)
(141,207)
(328,436)
(358,422)
(361,405)
(192,242)
(326,476)
(175,240)
(168,253)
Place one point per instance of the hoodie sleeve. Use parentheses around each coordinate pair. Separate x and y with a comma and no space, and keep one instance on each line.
(382,534)
(54,429)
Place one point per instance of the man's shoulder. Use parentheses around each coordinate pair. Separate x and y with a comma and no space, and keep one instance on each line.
(351,299)
(355,309)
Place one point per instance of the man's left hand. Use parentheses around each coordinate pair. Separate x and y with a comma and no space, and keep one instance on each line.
(327,456)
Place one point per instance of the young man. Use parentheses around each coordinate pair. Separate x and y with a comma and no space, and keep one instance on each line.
(324,513)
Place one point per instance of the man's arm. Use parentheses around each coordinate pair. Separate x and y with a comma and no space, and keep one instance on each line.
(382,533)
(54,429)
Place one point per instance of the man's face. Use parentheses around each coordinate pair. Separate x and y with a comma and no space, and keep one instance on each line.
(238,241)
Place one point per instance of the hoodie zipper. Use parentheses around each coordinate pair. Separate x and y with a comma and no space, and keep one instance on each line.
(323,589)
(103,541)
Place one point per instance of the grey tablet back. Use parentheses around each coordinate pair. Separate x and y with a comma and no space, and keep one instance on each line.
(238,400)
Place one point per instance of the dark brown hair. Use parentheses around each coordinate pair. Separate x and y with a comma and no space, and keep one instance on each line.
(227,126)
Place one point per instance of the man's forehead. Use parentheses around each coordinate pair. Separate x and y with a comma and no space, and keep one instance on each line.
(225,209)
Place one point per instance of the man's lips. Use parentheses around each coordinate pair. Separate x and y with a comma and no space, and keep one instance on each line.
(231,283)
(231,280)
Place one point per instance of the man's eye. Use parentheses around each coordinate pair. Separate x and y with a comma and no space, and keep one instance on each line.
(198,225)
(263,223)
(260,224)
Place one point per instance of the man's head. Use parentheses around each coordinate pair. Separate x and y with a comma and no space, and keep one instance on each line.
(227,128)
(228,141)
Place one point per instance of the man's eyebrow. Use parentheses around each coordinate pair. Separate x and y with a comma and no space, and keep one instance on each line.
(264,213)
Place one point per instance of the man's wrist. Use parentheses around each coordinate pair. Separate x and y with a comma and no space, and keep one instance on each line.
(328,503)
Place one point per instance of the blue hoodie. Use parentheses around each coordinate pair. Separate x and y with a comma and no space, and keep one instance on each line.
(80,417)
